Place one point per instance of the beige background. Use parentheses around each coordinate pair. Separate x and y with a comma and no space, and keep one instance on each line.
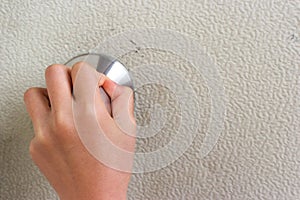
(254,44)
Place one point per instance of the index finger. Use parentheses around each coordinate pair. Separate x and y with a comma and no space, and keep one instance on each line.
(59,86)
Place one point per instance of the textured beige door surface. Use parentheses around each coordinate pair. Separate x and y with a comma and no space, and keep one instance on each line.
(254,46)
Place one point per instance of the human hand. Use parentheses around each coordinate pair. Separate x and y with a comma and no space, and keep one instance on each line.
(57,148)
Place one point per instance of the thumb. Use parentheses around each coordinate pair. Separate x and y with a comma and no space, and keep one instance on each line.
(122,105)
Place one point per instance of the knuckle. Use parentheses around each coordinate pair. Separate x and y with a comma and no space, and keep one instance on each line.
(28,93)
(123,91)
(78,66)
(60,120)
(127,90)
(39,146)
(64,127)
(52,69)
(130,94)
(33,148)
(43,140)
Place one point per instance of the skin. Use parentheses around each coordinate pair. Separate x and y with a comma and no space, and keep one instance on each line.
(57,149)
